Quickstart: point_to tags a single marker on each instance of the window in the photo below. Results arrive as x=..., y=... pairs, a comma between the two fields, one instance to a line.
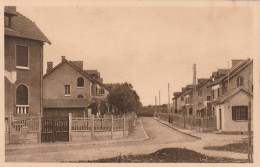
x=67, y=89
x=22, y=56
x=182, y=98
x=190, y=111
x=80, y=82
x=102, y=91
x=218, y=94
x=208, y=98
x=22, y=104
x=8, y=21
x=224, y=89
x=239, y=113
x=80, y=96
x=200, y=93
x=239, y=81
x=213, y=94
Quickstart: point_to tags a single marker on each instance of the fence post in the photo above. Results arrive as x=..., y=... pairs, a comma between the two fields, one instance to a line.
x=202, y=124
x=184, y=122
x=40, y=129
x=70, y=127
x=92, y=127
x=10, y=128
x=124, y=125
x=112, y=126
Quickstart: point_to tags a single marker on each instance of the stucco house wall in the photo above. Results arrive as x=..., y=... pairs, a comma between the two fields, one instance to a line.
x=54, y=84
x=30, y=77
x=240, y=99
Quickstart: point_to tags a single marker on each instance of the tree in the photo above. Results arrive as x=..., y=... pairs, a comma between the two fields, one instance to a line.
x=124, y=98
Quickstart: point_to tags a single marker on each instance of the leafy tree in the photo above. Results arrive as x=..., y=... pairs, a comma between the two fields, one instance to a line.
x=124, y=98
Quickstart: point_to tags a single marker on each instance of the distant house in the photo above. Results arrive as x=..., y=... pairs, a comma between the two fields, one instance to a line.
x=202, y=98
x=23, y=61
x=68, y=88
x=231, y=95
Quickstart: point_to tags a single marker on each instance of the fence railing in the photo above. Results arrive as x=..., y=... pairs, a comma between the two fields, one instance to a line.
x=22, y=124
x=187, y=121
x=102, y=124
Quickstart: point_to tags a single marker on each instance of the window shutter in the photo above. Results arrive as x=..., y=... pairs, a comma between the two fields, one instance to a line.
x=234, y=113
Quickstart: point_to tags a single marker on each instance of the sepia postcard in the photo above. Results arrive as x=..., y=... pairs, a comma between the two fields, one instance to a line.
x=128, y=83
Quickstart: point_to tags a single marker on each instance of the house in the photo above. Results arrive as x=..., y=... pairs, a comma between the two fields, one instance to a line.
x=23, y=64
x=202, y=98
x=232, y=94
x=68, y=88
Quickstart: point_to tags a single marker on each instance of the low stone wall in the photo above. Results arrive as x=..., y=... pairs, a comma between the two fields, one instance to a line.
x=22, y=138
x=98, y=136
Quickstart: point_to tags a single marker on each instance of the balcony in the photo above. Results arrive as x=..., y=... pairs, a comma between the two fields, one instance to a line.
x=22, y=109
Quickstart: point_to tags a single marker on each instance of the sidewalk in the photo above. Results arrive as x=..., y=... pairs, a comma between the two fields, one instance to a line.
x=138, y=134
x=209, y=139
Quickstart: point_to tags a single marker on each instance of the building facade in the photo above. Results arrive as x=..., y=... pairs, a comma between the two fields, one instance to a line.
x=23, y=63
x=68, y=88
x=234, y=98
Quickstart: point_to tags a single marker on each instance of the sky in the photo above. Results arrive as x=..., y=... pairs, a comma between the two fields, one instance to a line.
x=147, y=46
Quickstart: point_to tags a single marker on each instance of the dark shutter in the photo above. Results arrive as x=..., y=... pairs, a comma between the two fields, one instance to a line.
x=234, y=113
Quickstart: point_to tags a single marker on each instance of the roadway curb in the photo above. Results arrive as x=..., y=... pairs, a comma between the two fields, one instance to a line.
x=81, y=144
x=166, y=123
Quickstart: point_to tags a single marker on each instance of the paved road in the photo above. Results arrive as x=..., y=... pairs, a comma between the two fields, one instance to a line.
x=159, y=135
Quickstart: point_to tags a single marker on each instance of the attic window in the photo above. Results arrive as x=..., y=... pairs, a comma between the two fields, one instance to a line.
x=80, y=82
x=102, y=91
x=7, y=21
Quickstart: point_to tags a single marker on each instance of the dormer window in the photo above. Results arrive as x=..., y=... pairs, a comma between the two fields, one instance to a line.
x=7, y=21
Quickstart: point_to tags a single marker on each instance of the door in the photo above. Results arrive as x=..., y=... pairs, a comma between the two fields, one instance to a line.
x=55, y=129
x=220, y=120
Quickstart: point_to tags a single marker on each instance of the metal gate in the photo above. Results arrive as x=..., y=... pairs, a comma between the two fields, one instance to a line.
x=55, y=129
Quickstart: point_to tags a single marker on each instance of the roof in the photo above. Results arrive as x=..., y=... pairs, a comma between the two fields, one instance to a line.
x=91, y=71
x=78, y=69
x=229, y=94
x=23, y=27
x=65, y=103
x=233, y=71
x=222, y=71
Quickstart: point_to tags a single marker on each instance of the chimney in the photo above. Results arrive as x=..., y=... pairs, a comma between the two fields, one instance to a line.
x=235, y=62
x=12, y=8
x=79, y=64
x=183, y=89
x=49, y=66
x=62, y=58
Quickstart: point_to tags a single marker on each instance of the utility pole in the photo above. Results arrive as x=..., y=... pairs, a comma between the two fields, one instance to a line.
x=159, y=98
x=155, y=104
x=228, y=78
x=250, y=148
x=194, y=88
x=169, y=106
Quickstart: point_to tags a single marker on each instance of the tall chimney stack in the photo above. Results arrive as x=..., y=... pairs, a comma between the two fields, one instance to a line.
x=49, y=66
